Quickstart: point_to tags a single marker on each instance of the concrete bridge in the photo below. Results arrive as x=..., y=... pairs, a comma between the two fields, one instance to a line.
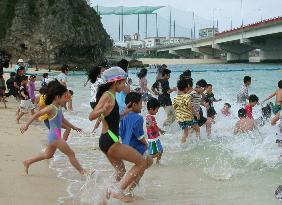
x=236, y=44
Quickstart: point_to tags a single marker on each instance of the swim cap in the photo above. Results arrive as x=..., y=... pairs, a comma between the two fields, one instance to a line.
x=114, y=74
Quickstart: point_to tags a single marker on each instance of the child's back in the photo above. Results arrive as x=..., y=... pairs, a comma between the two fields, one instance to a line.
x=182, y=104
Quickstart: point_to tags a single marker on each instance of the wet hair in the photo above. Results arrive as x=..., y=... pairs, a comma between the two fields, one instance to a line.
x=71, y=92
x=266, y=111
x=182, y=84
x=64, y=68
x=32, y=77
x=45, y=75
x=94, y=73
x=20, y=69
x=164, y=66
x=242, y=113
x=143, y=73
x=202, y=83
x=166, y=72
x=190, y=82
x=12, y=74
x=247, y=79
x=123, y=63
x=43, y=90
x=54, y=89
x=187, y=73
x=133, y=97
x=253, y=98
x=280, y=84
x=209, y=85
x=153, y=103
x=228, y=105
x=25, y=77
x=103, y=88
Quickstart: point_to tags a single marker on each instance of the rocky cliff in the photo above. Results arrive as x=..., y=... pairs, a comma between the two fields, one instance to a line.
x=59, y=31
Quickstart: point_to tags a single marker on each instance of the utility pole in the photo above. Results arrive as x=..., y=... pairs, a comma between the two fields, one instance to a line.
x=138, y=25
x=169, y=30
x=157, y=30
x=119, y=29
x=194, y=32
x=174, y=28
x=122, y=24
x=146, y=25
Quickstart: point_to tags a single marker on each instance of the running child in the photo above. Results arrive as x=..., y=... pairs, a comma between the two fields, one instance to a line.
x=55, y=100
x=243, y=94
x=155, y=148
x=26, y=105
x=31, y=88
x=162, y=90
x=131, y=129
x=185, y=112
x=107, y=108
x=278, y=99
x=253, y=101
x=10, y=85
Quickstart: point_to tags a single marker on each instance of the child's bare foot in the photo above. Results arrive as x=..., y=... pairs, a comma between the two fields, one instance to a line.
x=85, y=172
x=18, y=121
x=122, y=197
x=183, y=140
x=26, y=166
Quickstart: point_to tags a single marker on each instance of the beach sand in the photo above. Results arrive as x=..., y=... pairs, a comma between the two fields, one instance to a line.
x=151, y=61
x=41, y=186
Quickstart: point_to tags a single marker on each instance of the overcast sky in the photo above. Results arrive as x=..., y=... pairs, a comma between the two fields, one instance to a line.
x=224, y=10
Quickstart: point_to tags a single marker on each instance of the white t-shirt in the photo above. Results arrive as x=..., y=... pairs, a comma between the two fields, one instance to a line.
x=94, y=89
x=242, y=96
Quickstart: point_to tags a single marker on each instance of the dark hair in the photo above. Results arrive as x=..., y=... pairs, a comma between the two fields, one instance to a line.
x=25, y=77
x=182, y=84
x=202, y=83
x=166, y=72
x=20, y=69
x=187, y=73
x=242, y=113
x=253, y=98
x=12, y=74
x=32, y=76
x=208, y=85
x=190, y=82
x=45, y=75
x=123, y=63
x=247, y=79
x=133, y=97
x=64, y=68
x=153, y=103
x=164, y=66
x=101, y=89
x=142, y=73
x=71, y=92
x=94, y=73
x=43, y=90
x=280, y=84
x=228, y=105
x=54, y=89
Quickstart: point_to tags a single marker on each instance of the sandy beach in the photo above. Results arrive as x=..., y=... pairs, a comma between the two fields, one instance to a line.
x=179, y=61
x=41, y=186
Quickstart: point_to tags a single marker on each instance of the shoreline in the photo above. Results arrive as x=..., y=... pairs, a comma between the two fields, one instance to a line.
x=41, y=186
x=161, y=61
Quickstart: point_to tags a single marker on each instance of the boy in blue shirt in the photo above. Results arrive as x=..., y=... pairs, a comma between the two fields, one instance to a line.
x=131, y=129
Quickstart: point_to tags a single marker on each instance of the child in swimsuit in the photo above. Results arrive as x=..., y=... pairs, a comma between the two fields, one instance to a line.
x=253, y=101
x=55, y=100
x=278, y=101
x=109, y=142
x=276, y=118
x=153, y=131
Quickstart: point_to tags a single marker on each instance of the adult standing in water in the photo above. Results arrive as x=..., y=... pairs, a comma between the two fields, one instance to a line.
x=108, y=110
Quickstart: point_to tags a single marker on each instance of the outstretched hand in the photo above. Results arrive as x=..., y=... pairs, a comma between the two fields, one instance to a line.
x=77, y=129
x=127, y=109
x=23, y=128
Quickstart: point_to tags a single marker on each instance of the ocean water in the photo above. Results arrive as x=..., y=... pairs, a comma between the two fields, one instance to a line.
x=224, y=169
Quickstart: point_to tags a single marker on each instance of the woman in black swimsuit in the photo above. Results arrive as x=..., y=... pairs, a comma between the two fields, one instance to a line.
x=107, y=109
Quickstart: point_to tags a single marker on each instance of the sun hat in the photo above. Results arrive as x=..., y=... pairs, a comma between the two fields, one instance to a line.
x=114, y=74
x=20, y=61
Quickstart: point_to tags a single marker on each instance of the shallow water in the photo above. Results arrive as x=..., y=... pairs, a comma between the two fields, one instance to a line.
x=224, y=169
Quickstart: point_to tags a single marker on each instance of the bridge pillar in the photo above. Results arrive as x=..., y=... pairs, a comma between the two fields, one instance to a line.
x=271, y=50
x=185, y=53
x=236, y=58
x=207, y=52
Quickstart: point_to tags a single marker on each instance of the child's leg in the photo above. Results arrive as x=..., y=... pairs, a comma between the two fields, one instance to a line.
x=70, y=105
x=185, y=135
x=47, y=154
x=197, y=130
x=64, y=148
x=19, y=117
x=119, y=167
x=124, y=152
x=32, y=111
x=208, y=126
x=159, y=156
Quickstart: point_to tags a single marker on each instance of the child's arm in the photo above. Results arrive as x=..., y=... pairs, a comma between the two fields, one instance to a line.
x=161, y=131
x=275, y=119
x=126, y=110
x=25, y=96
x=143, y=140
x=193, y=111
x=102, y=108
x=86, y=82
x=68, y=124
x=236, y=129
x=47, y=110
x=271, y=96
